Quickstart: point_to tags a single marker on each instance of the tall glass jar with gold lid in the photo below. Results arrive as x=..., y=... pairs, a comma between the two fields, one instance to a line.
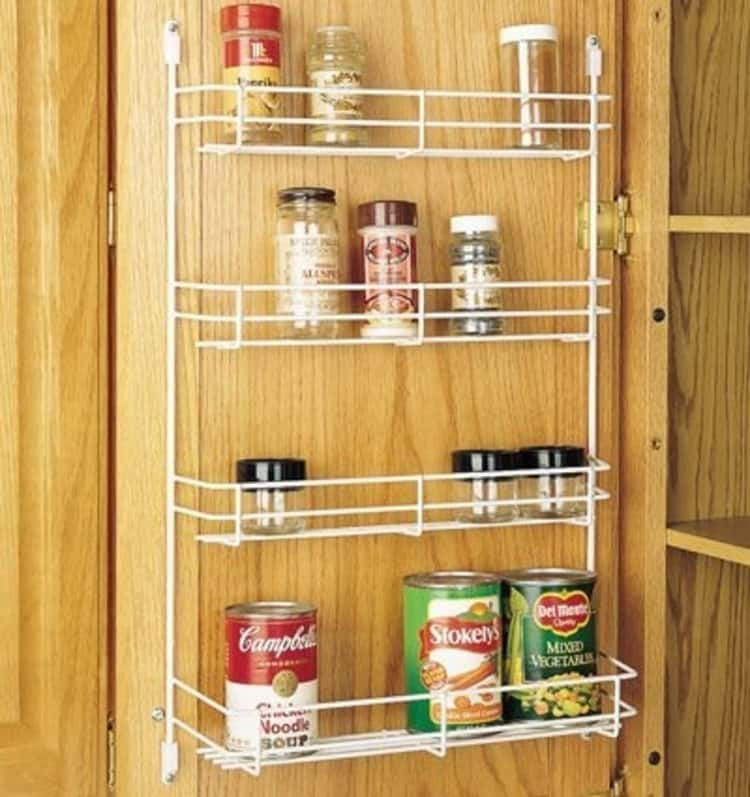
x=336, y=60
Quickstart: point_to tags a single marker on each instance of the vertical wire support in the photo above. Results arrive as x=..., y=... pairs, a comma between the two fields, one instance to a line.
x=170, y=762
x=594, y=71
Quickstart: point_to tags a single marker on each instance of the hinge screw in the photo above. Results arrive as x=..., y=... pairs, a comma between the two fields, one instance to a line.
x=158, y=714
x=654, y=758
x=170, y=777
x=659, y=315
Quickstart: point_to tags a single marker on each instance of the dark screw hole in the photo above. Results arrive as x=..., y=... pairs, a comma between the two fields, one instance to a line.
x=659, y=314
x=654, y=758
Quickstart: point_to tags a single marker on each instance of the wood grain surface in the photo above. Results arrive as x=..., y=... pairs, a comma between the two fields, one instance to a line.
x=710, y=107
x=707, y=675
x=53, y=398
x=709, y=377
x=365, y=411
x=722, y=538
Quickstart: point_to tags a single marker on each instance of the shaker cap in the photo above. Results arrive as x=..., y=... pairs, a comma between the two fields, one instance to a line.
x=250, y=471
x=387, y=213
x=250, y=16
x=526, y=33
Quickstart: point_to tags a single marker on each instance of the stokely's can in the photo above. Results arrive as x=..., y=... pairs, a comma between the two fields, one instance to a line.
x=452, y=642
x=550, y=635
x=272, y=664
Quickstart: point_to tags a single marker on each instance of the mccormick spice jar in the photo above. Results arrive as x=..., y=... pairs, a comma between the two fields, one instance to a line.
x=252, y=56
x=453, y=643
x=272, y=501
x=271, y=665
x=388, y=229
x=550, y=634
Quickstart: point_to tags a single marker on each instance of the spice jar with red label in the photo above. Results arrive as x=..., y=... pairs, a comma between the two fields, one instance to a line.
x=388, y=231
x=252, y=57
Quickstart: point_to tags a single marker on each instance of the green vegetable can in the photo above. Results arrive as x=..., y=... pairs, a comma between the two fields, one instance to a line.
x=453, y=649
x=550, y=633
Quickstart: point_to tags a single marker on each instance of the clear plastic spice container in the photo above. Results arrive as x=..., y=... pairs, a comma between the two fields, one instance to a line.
x=388, y=229
x=271, y=502
x=307, y=255
x=475, y=255
x=480, y=491
x=336, y=60
x=531, y=65
x=252, y=57
x=550, y=489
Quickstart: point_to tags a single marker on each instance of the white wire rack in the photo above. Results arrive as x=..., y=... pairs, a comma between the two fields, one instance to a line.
x=415, y=515
x=393, y=741
x=431, y=327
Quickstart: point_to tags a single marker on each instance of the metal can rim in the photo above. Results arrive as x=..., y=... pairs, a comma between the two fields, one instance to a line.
x=548, y=575
x=462, y=579
x=270, y=610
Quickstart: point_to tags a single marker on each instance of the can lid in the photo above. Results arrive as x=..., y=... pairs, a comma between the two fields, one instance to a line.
x=273, y=609
x=538, y=457
x=387, y=213
x=451, y=579
x=472, y=224
x=548, y=575
x=526, y=33
x=307, y=194
x=249, y=16
x=483, y=461
x=271, y=470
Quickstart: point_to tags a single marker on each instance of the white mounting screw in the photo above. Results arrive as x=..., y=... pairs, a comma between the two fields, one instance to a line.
x=158, y=714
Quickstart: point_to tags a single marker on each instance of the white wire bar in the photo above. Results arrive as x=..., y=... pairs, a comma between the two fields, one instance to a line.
x=398, y=741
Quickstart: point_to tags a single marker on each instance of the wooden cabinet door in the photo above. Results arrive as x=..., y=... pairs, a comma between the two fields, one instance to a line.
x=53, y=398
x=349, y=411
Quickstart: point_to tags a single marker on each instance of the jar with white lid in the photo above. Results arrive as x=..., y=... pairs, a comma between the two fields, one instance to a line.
x=531, y=65
x=475, y=255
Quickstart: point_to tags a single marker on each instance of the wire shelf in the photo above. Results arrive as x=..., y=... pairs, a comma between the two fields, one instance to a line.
x=399, y=741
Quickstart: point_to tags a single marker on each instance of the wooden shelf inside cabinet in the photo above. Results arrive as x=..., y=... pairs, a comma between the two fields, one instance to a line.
x=722, y=538
x=710, y=225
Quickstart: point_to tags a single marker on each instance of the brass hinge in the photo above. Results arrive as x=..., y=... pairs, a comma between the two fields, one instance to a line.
x=111, y=217
x=614, y=224
x=617, y=789
x=111, y=753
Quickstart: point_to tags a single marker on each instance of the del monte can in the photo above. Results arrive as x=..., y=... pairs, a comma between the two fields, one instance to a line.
x=453, y=643
x=550, y=632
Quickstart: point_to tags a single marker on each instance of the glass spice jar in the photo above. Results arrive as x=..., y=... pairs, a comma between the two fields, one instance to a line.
x=549, y=489
x=531, y=65
x=388, y=229
x=475, y=254
x=481, y=491
x=252, y=57
x=270, y=501
x=336, y=59
x=307, y=255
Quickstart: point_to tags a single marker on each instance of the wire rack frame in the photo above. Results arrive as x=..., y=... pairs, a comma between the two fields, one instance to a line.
x=593, y=127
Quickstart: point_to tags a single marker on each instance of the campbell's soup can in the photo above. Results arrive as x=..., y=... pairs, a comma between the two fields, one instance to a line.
x=453, y=649
x=550, y=635
x=272, y=666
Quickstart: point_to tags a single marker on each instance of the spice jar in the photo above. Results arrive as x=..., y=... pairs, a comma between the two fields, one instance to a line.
x=336, y=59
x=477, y=490
x=252, y=57
x=272, y=502
x=307, y=255
x=475, y=259
x=388, y=229
x=551, y=488
x=531, y=65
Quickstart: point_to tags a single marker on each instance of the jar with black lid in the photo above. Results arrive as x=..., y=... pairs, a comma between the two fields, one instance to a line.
x=480, y=491
x=550, y=489
x=307, y=255
x=271, y=501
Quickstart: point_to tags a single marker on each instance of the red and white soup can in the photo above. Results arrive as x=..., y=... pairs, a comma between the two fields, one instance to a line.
x=271, y=665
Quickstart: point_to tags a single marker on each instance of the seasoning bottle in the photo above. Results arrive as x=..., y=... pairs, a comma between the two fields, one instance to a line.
x=336, y=59
x=307, y=255
x=531, y=65
x=268, y=500
x=388, y=229
x=475, y=259
x=476, y=489
x=551, y=488
x=252, y=57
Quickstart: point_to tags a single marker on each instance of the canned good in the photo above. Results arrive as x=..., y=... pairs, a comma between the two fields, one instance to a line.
x=271, y=664
x=550, y=633
x=453, y=643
